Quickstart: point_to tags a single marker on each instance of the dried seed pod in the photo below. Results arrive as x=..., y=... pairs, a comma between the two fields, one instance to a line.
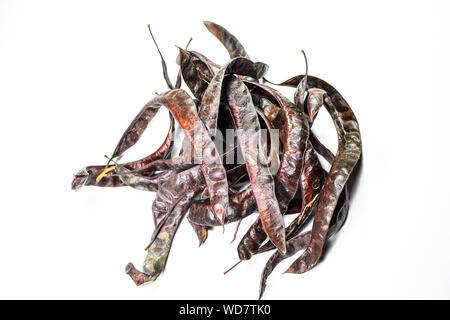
x=184, y=110
x=88, y=175
x=196, y=74
x=218, y=192
x=242, y=203
x=231, y=43
x=140, y=182
x=209, y=108
x=294, y=141
x=271, y=110
x=312, y=180
x=159, y=249
x=301, y=241
x=348, y=154
x=261, y=181
x=171, y=191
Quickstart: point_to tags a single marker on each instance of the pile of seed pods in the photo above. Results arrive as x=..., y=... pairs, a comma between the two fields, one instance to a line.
x=269, y=167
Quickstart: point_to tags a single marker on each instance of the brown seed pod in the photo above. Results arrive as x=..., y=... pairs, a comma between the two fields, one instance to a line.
x=281, y=173
x=261, y=181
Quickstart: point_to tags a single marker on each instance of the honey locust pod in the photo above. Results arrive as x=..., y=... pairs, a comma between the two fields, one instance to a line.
x=216, y=181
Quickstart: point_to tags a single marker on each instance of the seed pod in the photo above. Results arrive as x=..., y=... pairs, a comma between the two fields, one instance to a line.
x=88, y=175
x=294, y=141
x=231, y=43
x=301, y=241
x=348, y=154
x=158, y=251
x=261, y=181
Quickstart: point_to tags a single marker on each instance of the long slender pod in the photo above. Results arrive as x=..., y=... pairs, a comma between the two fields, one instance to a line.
x=301, y=241
x=295, y=137
x=348, y=154
x=158, y=251
x=242, y=203
x=209, y=108
x=140, y=182
x=215, y=181
x=171, y=191
x=184, y=110
x=88, y=176
x=163, y=62
x=231, y=43
x=261, y=180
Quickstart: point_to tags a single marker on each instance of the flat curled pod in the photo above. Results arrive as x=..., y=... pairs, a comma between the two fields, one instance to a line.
x=200, y=231
x=261, y=180
x=311, y=183
x=88, y=175
x=209, y=108
x=231, y=43
x=179, y=163
x=179, y=75
x=212, y=66
x=300, y=241
x=196, y=74
x=242, y=204
x=158, y=251
x=184, y=109
x=196, y=177
x=137, y=127
x=140, y=182
x=296, y=134
x=172, y=190
x=312, y=180
x=348, y=154
x=271, y=110
x=201, y=213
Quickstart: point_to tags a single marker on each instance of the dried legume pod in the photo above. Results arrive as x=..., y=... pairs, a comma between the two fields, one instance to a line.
x=140, y=182
x=218, y=192
x=301, y=241
x=184, y=110
x=261, y=181
x=171, y=191
x=88, y=175
x=231, y=43
x=312, y=180
x=348, y=154
x=158, y=251
x=209, y=108
x=294, y=141
x=241, y=205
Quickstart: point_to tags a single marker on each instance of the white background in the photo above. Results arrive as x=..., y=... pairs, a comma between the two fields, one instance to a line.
x=74, y=73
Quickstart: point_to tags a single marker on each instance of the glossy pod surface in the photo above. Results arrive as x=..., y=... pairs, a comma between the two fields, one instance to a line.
x=259, y=175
